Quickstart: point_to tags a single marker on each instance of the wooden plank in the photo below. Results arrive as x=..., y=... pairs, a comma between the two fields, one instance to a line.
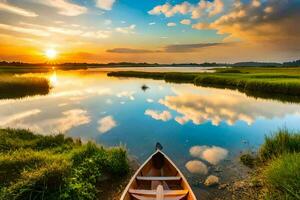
x=158, y=178
x=154, y=192
x=141, y=197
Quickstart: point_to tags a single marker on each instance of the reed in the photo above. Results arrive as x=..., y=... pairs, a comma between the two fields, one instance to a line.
x=17, y=87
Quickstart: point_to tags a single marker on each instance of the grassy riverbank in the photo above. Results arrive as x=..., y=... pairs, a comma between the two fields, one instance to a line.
x=55, y=167
x=261, y=82
x=277, y=165
x=12, y=86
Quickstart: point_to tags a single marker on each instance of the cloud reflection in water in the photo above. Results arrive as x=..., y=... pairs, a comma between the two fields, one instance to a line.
x=215, y=105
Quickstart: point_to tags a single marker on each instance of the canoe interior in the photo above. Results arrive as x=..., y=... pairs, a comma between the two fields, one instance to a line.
x=158, y=170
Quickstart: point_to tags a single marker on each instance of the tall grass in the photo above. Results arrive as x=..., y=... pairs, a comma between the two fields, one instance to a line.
x=282, y=176
x=18, y=87
x=54, y=167
x=282, y=141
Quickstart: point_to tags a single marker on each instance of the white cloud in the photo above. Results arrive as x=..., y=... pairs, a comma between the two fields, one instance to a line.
x=32, y=31
x=152, y=23
x=45, y=31
x=196, y=11
x=71, y=118
x=16, y=10
x=197, y=167
x=212, y=154
x=126, y=30
x=185, y=21
x=127, y=94
x=65, y=7
x=170, y=24
x=164, y=115
x=106, y=124
x=13, y=119
x=105, y=4
x=150, y=100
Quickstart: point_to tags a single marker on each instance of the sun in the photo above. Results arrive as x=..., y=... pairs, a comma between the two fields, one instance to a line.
x=51, y=53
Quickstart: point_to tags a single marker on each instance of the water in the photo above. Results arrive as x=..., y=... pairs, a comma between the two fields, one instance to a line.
x=192, y=123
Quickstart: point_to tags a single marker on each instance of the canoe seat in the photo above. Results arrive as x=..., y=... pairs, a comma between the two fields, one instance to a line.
x=158, y=178
x=152, y=193
x=142, y=197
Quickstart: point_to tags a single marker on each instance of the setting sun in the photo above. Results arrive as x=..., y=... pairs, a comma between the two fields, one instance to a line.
x=51, y=53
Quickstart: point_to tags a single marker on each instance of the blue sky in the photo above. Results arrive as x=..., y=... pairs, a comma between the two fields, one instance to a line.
x=137, y=31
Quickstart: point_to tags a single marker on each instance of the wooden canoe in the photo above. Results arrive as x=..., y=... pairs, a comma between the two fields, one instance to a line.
x=158, y=179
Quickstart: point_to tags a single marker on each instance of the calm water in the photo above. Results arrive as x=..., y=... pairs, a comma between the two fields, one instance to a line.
x=200, y=128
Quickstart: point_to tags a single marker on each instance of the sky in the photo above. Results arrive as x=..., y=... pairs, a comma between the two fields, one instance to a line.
x=154, y=31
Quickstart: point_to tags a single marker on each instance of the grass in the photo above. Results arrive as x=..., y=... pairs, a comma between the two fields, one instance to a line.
x=54, y=167
x=283, y=141
x=17, y=87
x=279, y=83
x=282, y=177
x=278, y=165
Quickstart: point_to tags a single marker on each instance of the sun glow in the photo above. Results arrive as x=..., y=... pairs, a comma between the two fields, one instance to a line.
x=51, y=53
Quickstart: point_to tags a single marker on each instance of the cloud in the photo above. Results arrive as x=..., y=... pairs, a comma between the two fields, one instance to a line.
x=106, y=124
x=189, y=47
x=129, y=50
x=45, y=31
x=270, y=23
x=212, y=154
x=152, y=23
x=196, y=167
x=150, y=100
x=176, y=48
x=16, y=10
x=170, y=24
x=105, y=4
x=195, y=10
x=20, y=29
x=164, y=115
x=186, y=22
x=128, y=94
x=126, y=30
x=217, y=105
x=70, y=119
x=13, y=119
x=64, y=6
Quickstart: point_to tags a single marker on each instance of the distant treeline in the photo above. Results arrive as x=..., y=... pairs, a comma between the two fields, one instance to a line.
x=144, y=64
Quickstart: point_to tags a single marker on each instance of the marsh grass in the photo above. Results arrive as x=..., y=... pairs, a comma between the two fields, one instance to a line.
x=260, y=82
x=12, y=86
x=54, y=167
x=278, y=165
x=280, y=142
x=282, y=177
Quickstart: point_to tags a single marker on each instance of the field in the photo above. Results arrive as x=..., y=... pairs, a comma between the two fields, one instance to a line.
x=55, y=167
x=267, y=82
x=12, y=86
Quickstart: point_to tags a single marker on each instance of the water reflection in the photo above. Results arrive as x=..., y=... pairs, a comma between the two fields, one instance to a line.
x=106, y=124
x=157, y=115
x=212, y=154
x=215, y=105
x=196, y=167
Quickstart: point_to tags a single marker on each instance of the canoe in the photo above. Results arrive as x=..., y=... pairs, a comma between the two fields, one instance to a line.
x=158, y=179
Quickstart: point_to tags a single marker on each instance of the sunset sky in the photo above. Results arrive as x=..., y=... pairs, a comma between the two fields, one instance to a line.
x=163, y=31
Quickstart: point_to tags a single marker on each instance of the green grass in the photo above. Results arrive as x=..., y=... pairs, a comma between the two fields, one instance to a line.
x=278, y=165
x=283, y=141
x=54, y=167
x=282, y=177
x=275, y=83
x=17, y=87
